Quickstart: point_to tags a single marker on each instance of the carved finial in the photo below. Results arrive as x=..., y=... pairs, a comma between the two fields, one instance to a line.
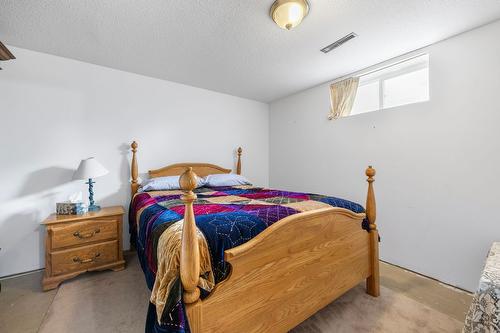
x=188, y=181
x=134, y=172
x=370, y=199
x=370, y=172
x=238, y=164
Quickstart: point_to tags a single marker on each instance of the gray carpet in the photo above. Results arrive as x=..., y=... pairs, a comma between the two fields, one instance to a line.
x=100, y=302
x=117, y=302
x=356, y=311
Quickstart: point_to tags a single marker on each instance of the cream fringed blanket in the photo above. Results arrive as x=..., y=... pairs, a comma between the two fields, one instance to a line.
x=169, y=253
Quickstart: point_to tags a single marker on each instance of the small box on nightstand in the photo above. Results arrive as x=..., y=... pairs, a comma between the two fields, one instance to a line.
x=70, y=208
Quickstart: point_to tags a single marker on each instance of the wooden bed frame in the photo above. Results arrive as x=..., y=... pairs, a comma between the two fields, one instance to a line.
x=286, y=273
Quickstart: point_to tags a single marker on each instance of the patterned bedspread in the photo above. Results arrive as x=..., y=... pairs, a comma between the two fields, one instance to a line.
x=226, y=216
x=484, y=311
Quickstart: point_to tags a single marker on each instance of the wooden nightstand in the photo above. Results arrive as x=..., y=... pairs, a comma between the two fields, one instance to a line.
x=75, y=244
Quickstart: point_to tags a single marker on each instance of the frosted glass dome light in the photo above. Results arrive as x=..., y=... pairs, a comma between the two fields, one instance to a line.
x=289, y=13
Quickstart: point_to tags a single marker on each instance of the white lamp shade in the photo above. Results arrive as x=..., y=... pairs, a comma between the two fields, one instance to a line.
x=89, y=168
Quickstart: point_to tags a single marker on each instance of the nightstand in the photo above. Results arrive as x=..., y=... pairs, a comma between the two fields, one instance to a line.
x=75, y=244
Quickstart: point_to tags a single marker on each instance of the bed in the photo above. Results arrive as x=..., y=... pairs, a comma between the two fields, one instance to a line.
x=274, y=278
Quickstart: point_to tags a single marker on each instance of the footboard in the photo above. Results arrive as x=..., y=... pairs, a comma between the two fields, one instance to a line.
x=285, y=274
x=289, y=272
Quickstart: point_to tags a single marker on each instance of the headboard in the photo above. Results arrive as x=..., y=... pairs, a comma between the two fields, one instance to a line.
x=201, y=169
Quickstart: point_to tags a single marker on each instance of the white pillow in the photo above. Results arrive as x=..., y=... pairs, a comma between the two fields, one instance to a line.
x=225, y=179
x=165, y=184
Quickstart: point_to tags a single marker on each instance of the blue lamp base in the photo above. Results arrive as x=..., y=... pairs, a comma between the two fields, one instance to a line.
x=92, y=206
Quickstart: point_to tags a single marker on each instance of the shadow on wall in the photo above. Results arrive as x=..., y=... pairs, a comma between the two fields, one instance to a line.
x=18, y=230
x=22, y=236
x=122, y=195
x=45, y=179
x=125, y=170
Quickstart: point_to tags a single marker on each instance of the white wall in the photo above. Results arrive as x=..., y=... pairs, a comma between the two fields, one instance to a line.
x=438, y=162
x=55, y=111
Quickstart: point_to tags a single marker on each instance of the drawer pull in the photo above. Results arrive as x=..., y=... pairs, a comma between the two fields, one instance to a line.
x=87, y=235
x=86, y=261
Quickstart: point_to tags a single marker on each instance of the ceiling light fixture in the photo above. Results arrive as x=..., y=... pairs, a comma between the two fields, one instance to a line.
x=289, y=13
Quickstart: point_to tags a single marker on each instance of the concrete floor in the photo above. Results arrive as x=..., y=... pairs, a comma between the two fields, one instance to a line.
x=443, y=298
x=23, y=304
x=117, y=302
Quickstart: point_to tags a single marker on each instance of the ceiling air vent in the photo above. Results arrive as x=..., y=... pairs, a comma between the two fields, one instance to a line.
x=339, y=42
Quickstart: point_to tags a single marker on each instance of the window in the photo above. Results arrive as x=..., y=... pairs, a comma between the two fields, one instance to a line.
x=405, y=82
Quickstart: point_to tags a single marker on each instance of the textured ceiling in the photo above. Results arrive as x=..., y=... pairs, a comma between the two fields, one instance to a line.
x=232, y=46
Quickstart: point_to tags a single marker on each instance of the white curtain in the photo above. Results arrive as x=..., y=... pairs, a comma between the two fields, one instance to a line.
x=342, y=95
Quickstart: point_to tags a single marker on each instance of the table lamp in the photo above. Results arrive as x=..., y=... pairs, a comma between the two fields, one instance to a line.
x=89, y=169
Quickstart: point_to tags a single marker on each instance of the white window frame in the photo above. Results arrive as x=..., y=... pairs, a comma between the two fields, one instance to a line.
x=382, y=78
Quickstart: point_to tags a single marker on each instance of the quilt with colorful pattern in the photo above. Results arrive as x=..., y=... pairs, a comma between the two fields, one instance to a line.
x=227, y=217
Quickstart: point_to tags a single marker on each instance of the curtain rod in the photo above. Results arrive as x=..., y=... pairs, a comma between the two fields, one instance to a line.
x=366, y=70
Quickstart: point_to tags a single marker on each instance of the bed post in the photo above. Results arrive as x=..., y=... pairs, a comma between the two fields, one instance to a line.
x=238, y=165
x=134, y=183
x=372, y=282
x=190, y=255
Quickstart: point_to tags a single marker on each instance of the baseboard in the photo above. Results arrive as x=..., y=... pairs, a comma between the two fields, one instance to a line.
x=6, y=277
x=428, y=277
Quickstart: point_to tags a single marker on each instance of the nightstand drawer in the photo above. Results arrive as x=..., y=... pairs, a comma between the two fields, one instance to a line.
x=84, y=257
x=78, y=233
